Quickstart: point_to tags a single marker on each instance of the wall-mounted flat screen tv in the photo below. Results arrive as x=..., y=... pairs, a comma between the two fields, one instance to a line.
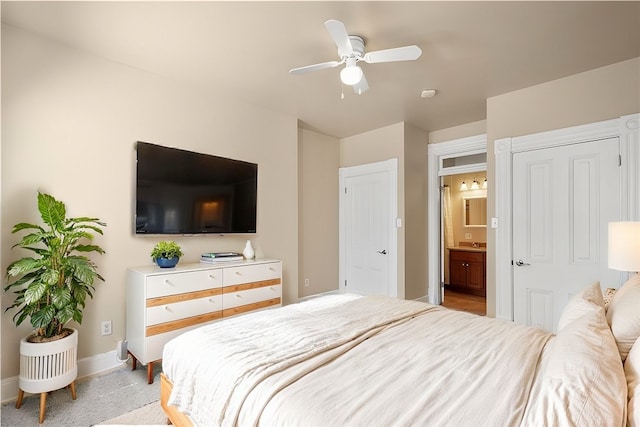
x=182, y=192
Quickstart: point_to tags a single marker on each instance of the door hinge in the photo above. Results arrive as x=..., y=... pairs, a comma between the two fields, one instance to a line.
x=619, y=159
x=345, y=190
x=345, y=283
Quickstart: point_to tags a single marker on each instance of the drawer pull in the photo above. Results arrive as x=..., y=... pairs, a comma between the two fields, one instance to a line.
x=238, y=273
x=211, y=276
x=212, y=300
x=272, y=269
x=166, y=307
x=168, y=282
x=238, y=296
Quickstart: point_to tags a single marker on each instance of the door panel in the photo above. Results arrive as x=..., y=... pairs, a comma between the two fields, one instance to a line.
x=563, y=198
x=366, y=231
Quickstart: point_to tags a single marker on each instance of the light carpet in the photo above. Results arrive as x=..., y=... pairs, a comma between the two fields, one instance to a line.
x=149, y=415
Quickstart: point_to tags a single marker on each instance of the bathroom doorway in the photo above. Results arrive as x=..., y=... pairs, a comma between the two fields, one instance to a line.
x=449, y=163
x=464, y=241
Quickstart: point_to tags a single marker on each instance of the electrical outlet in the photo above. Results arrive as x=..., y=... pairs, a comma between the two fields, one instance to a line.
x=468, y=236
x=306, y=283
x=106, y=327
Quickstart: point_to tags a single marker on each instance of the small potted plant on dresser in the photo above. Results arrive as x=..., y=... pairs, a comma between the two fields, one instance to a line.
x=166, y=254
x=51, y=289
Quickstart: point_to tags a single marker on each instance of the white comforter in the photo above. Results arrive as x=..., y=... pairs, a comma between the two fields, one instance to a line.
x=346, y=360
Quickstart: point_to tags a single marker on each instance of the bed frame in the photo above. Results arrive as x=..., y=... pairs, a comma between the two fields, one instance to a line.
x=176, y=417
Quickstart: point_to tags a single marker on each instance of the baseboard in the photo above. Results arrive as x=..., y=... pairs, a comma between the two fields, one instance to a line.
x=88, y=366
x=423, y=299
x=308, y=297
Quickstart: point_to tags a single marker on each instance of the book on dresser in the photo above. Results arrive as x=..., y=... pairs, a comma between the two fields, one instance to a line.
x=164, y=303
x=220, y=257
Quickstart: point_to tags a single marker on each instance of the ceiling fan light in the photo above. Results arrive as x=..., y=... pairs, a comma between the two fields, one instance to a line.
x=351, y=75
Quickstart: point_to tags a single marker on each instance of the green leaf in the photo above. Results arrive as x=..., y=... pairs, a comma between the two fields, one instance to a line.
x=60, y=298
x=23, y=266
x=42, y=318
x=24, y=226
x=53, y=212
x=66, y=313
x=50, y=277
x=35, y=292
x=88, y=248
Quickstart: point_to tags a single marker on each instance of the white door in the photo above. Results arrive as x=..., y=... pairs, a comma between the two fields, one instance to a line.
x=367, y=205
x=563, y=198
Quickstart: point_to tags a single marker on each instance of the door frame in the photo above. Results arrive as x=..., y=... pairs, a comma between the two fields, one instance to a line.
x=436, y=155
x=395, y=288
x=626, y=128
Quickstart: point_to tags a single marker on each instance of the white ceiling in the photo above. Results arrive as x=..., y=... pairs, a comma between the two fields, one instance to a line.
x=471, y=50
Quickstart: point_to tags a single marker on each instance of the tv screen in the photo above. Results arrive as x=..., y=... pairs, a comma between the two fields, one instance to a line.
x=182, y=192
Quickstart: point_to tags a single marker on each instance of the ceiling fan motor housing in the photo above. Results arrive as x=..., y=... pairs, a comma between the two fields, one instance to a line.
x=357, y=43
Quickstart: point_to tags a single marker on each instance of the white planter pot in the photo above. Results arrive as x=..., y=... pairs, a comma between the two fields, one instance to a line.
x=48, y=366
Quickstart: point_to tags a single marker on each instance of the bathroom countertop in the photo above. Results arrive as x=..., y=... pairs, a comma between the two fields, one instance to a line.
x=468, y=249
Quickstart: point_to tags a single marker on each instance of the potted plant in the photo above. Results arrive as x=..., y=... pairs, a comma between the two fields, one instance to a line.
x=51, y=289
x=166, y=254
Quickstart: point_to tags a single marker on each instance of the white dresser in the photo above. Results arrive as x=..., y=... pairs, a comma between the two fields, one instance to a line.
x=162, y=303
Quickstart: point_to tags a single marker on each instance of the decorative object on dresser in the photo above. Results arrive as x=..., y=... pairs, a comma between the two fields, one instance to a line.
x=248, y=252
x=166, y=254
x=51, y=290
x=467, y=268
x=162, y=304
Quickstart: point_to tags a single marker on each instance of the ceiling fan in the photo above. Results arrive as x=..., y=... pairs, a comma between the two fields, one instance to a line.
x=351, y=51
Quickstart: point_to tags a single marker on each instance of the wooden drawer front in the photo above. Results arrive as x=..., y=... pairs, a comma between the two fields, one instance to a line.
x=183, y=282
x=251, y=296
x=180, y=310
x=466, y=256
x=252, y=273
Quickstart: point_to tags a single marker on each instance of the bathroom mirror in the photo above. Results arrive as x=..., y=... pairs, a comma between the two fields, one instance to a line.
x=474, y=211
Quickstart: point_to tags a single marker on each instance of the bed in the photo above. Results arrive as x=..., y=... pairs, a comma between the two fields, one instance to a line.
x=348, y=360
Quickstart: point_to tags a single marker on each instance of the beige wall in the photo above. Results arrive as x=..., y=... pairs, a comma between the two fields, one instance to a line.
x=458, y=132
x=604, y=93
x=319, y=158
x=69, y=124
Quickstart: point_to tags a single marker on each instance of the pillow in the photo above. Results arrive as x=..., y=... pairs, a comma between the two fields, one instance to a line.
x=623, y=315
x=632, y=372
x=580, y=380
x=587, y=300
x=607, y=296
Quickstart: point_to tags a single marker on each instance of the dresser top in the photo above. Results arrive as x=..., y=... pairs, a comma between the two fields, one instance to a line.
x=195, y=266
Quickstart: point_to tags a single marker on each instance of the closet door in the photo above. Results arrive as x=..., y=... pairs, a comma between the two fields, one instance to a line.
x=563, y=199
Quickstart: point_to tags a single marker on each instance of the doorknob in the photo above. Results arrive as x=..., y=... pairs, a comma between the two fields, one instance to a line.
x=383, y=252
x=520, y=263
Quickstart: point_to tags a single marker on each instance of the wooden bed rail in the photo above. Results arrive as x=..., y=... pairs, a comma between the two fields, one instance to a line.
x=176, y=417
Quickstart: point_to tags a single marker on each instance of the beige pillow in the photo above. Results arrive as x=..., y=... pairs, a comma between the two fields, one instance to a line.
x=607, y=296
x=632, y=372
x=585, y=301
x=580, y=380
x=623, y=315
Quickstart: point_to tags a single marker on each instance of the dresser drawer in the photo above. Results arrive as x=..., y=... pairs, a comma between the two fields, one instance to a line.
x=251, y=273
x=183, y=282
x=180, y=310
x=251, y=296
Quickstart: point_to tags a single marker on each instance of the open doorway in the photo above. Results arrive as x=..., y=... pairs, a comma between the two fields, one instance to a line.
x=464, y=241
x=466, y=158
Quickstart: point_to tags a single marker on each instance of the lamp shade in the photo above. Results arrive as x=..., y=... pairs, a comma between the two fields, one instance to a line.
x=624, y=245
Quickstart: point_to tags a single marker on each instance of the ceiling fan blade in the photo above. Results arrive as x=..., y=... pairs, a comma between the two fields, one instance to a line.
x=406, y=53
x=314, y=67
x=339, y=34
x=362, y=86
